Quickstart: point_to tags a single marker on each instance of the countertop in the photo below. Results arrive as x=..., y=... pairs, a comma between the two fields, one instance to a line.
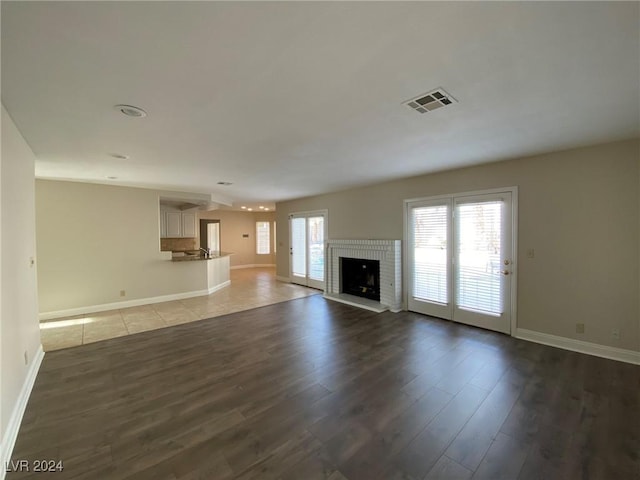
x=199, y=257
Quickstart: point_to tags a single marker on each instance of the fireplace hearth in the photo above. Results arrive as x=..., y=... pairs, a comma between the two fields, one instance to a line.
x=360, y=277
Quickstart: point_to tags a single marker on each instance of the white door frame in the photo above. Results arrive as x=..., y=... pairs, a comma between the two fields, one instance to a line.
x=310, y=213
x=514, y=243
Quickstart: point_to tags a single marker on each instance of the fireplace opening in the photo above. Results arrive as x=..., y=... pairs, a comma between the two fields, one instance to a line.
x=360, y=277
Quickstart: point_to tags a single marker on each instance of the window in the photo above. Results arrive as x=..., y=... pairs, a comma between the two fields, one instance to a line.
x=263, y=240
x=275, y=237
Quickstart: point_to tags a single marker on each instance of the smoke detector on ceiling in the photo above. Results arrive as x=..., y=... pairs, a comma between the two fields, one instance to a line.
x=433, y=100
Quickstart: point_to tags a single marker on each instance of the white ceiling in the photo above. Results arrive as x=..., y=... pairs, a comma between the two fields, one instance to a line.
x=293, y=99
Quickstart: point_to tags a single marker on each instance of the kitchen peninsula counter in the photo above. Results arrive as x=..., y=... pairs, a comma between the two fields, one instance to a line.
x=195, y=258
x=210, y=274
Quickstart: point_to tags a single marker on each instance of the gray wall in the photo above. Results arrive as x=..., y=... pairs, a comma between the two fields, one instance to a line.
x=579, y=210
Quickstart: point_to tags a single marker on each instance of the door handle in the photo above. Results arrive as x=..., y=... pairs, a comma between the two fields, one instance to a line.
x=505, y=272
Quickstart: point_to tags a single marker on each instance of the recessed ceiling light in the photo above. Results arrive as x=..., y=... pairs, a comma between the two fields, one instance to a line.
x=243, y=207
x=119, y=156
x=261, y=207
x=250, y=209
x=112, y=178
x=266, y=209
x=226, y=184
x=131, y=111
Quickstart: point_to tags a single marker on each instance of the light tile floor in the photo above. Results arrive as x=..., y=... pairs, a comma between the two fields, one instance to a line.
x=250, y=288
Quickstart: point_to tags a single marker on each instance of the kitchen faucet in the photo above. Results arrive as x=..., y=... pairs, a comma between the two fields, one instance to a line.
x=206, y=252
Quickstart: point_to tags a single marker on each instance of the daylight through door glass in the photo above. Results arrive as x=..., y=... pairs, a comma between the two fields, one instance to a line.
x=316, y=248
x=298, y=247
x=430, y=280
x=478, y=256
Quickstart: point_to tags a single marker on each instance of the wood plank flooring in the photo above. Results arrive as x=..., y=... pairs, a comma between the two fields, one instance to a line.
x=312, y=389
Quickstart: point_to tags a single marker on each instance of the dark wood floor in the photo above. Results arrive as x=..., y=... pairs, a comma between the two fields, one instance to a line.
x=311, y=389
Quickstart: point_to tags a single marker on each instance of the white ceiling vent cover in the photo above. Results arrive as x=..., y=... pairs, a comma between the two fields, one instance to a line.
x=433, y=100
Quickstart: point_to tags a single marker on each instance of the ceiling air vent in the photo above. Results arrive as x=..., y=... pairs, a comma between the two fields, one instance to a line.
x=433, y=100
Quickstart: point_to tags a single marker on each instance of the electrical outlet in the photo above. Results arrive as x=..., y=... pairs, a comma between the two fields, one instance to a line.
x=579, y=327
x=615, y=334
x=123, y=293
x=26, y=357
x=531, y=253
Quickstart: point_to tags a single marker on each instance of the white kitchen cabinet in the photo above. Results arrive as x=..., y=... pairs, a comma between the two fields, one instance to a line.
x=163, y=224
x=174, y=224
x=189, y=225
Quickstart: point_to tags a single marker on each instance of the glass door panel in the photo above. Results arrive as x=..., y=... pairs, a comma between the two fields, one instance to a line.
x=315, y=235
x=298, y=249
x=483, y=266
x=429, y=232
x=459, y=251
x=308, y=233
x=478, y=254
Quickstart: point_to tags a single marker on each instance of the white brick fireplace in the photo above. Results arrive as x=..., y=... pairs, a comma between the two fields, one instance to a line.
x=387, y=252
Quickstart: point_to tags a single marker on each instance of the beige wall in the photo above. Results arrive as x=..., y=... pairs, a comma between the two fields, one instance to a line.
x=19, y=331
x=233, y=225
x=578, y=209
x=95, y=240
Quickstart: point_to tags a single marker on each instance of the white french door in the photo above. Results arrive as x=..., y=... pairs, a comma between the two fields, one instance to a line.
x=307, y=248
x=460, y=258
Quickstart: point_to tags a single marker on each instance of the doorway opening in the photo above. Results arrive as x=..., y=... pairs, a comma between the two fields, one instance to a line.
x=210, y=235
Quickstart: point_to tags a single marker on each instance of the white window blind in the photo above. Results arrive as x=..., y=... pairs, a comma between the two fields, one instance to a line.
x=478, y=255
x=263, y=240
x=430, y=232
x=298, y=247
x=315, y=240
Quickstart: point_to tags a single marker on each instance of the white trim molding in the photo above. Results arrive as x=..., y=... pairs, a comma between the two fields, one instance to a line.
x=129, y=303
x=283, y=279
x=604, y=351
x=13, y=426
x=220, y=286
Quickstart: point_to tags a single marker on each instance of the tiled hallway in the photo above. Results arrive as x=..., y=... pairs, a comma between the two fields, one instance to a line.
x=250, y=288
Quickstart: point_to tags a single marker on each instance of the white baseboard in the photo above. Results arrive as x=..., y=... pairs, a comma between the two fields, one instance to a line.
x=604, y=351
x=253, y=265
x=129, y=303
x=283, y=279
x=11, y=434
x=219, y=287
